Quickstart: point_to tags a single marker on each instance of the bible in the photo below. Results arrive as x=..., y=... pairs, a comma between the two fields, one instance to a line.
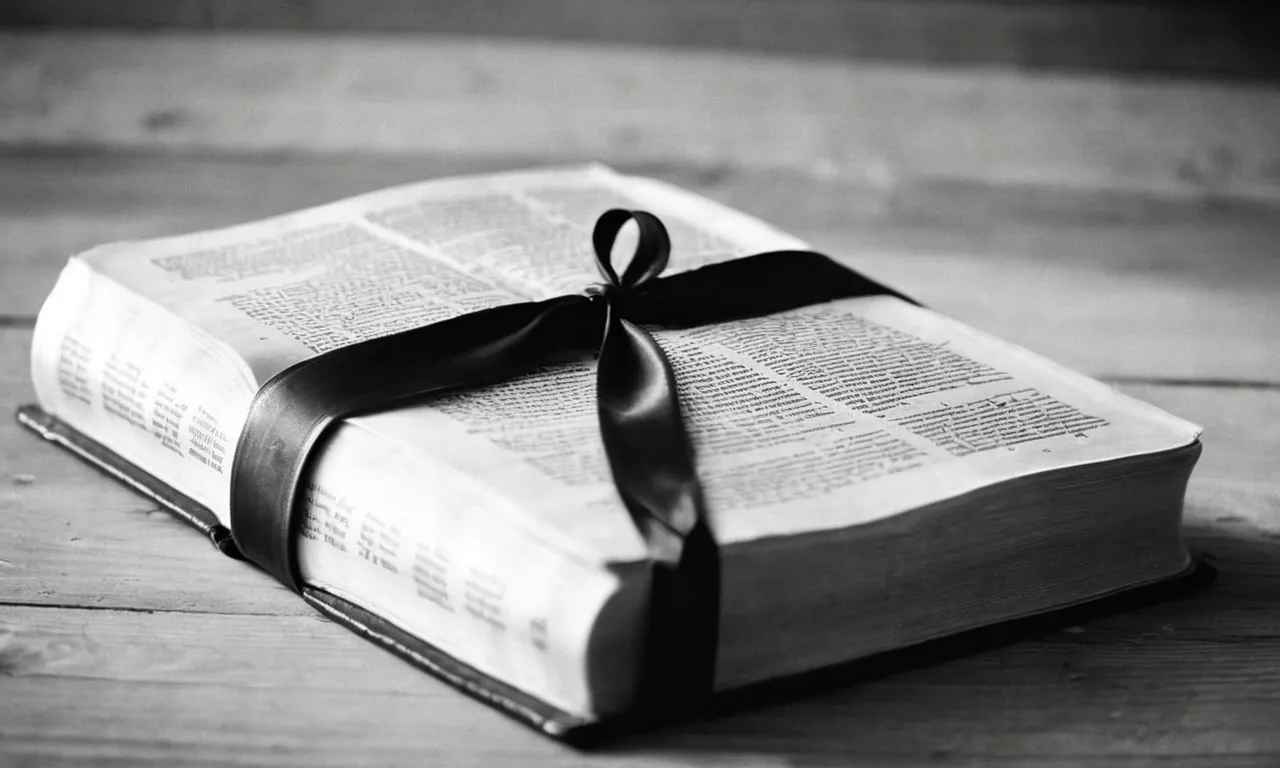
x=877, y=477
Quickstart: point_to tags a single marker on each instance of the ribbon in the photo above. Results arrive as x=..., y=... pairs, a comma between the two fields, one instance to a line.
x=648, y=448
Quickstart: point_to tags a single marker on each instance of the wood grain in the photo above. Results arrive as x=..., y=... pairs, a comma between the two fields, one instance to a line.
x=573, y=101
x=1184, y=679
x=1110, y=283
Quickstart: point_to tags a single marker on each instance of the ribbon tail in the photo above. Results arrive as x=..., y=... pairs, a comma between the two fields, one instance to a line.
x=292, y=412
x=652, y=462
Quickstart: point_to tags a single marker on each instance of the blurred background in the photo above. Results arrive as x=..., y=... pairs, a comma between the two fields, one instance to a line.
x=1048, y=91
x=1016, y=146
x=1218, y=39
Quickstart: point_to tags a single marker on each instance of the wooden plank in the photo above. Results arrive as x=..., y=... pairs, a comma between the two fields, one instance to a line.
x=1109, y=283
x=70, y=535
x=303, y=653
x=573, y=101
x=1205, y=38
x=1242, y=432
x=1182, y=679
x=193, y=647
x=1192, y=677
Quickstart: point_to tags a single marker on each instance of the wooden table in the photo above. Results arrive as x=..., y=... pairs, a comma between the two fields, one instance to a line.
x=1126, y=228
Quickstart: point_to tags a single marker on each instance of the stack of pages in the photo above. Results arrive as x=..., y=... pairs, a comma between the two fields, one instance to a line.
x=877, y=475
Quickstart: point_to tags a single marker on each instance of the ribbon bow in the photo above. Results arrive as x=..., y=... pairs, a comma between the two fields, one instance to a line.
x=648, y=448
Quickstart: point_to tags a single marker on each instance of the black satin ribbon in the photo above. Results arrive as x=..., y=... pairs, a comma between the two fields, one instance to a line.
x=648, y=448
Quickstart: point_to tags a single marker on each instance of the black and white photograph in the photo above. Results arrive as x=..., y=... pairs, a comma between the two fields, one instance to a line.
x=639, y=383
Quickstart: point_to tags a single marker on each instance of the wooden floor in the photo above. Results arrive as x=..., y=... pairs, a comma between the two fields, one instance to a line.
x=1129, y=229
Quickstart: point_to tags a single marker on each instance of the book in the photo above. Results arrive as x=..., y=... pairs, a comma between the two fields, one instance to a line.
x=877, y=476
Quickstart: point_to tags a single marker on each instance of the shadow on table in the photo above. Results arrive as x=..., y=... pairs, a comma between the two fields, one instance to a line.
x=1185, y=675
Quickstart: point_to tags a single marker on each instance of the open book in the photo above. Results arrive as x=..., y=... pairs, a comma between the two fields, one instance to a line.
x=877, y=475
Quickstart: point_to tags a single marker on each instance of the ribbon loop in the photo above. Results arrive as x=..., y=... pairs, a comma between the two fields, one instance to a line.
x=653, y=247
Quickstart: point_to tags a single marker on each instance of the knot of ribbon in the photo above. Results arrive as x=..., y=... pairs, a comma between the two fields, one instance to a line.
x=649, y=451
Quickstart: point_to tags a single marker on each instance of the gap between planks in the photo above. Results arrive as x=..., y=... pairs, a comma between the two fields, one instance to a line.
x=1208, y=383
x=304, y=689
x=118, y=608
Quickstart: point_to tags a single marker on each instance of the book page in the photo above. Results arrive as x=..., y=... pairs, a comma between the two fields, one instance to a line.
x=532, y=233
x=903, y=407
x=819, y=418
x=281, y=290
